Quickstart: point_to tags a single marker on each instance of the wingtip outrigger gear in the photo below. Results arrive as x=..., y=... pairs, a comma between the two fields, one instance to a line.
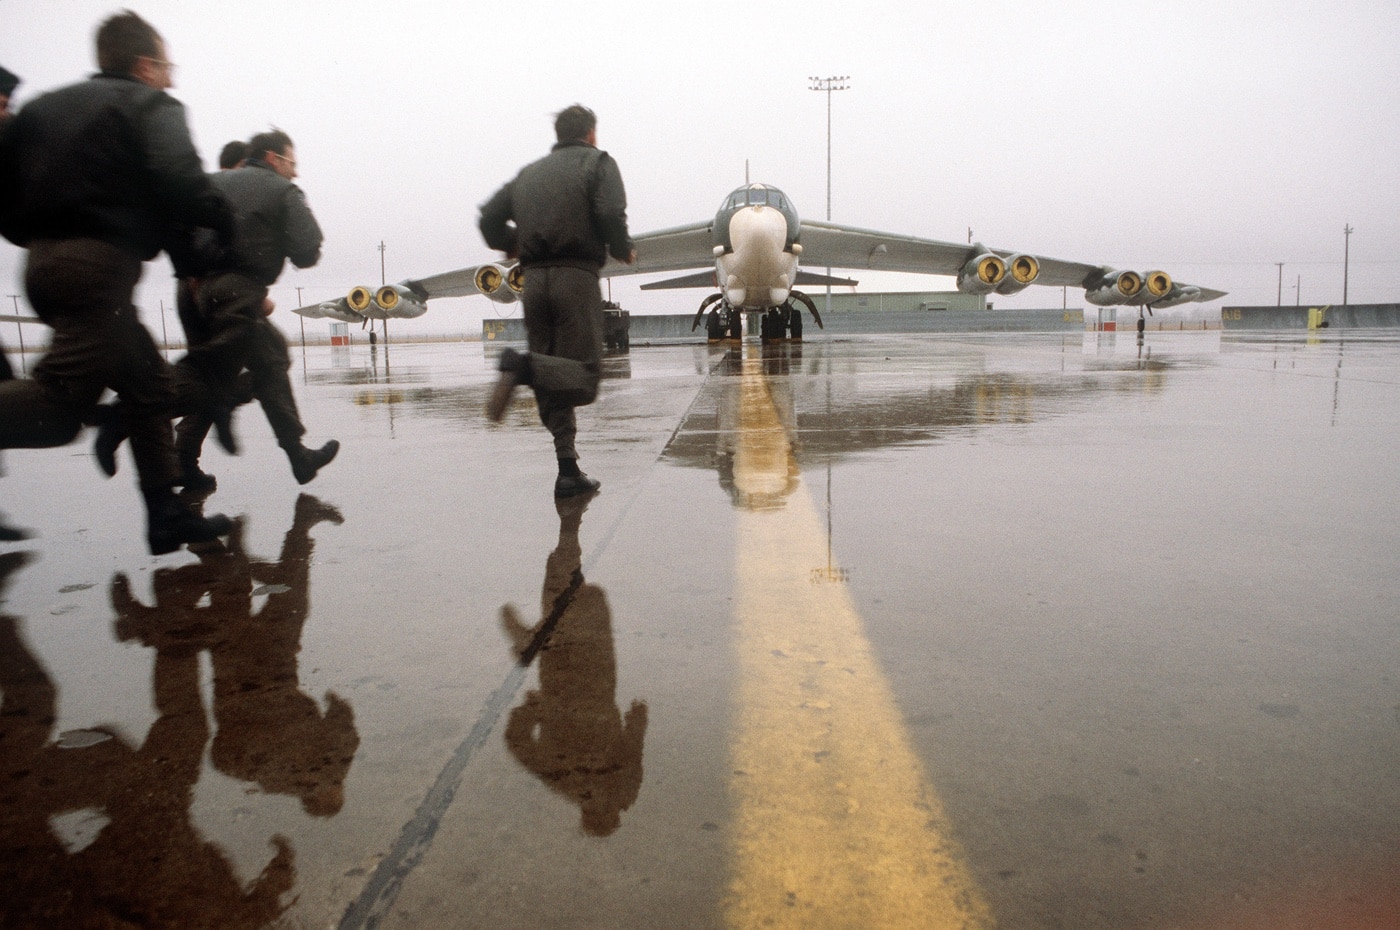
x=807, y=301
x=704, y=305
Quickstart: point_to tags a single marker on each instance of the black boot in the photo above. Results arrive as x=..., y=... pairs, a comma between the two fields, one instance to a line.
x=222, y=418
x=111, y=433
x=307, y=462
x=192, y=479
x=170, y=523
x=572, y=482
x=12, y=533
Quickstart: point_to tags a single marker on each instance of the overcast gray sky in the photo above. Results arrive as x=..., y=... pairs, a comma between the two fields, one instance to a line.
x=1210, y=138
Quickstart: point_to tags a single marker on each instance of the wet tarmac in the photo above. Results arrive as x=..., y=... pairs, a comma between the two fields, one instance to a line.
x=1025, y=631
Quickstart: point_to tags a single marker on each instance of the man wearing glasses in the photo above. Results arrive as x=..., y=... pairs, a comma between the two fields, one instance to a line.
x=274, y=224
x=94, y=179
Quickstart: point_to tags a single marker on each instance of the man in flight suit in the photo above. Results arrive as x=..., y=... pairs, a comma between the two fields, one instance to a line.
x=561, y=216
x=93, y=179
x=274, y=224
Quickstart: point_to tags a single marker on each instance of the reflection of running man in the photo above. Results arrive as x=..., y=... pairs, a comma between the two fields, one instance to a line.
x=270, y=732
x=148, y=865
x=570, y=733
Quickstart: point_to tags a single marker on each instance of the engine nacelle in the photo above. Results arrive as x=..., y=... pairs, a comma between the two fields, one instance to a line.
x=491, y=280
x=329, y=310
x=359, y=299
x=1114, y=288
x=1021, y=272
x=399, y=302
x=515, y=279
x=1156, y=285
x=1179, y=294
x=983, y=272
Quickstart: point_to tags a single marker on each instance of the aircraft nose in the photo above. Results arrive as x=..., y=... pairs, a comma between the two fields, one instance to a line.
x=758, y=226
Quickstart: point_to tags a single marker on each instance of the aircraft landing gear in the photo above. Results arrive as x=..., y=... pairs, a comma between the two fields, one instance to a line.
x=785, y=322
x=723, y=322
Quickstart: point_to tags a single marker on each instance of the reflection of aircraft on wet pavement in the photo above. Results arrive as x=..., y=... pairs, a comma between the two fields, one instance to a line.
x=751, y=251
x=787, y=387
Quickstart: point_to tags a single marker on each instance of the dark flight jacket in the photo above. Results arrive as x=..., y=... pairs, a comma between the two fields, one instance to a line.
x=274, y=223
x=568, y=208
x=108, y=158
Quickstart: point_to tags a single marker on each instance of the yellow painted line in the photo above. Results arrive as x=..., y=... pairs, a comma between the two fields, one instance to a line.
x=836, y=824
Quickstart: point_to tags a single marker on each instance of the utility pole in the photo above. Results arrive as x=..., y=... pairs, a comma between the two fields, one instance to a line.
x=164, y=336
x=828, y=85
x=19, y=327
x=303, y=329
x=1346, y=262
x=382, y=281
x=1280, y=283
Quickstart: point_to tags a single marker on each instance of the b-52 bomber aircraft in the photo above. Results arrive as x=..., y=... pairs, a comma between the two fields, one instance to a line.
x=751, y=252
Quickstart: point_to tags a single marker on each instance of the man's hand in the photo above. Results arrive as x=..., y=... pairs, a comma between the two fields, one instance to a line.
x=632, y=257
x=268, y=306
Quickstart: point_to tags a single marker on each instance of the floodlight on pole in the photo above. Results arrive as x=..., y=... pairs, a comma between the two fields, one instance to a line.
x=829, y=85
x=1346, y=262
x=20, y=327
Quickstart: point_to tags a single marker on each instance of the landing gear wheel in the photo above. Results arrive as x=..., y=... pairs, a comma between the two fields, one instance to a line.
x=770, y=326
x=736, y=324
x=713, y=330
x=795, y=323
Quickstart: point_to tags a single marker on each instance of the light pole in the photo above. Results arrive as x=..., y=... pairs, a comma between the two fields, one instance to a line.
x=382, y=281
x=1280, y=283
x=828, y=85
x=1346, y=262
x=19, y=327
x=303, y=328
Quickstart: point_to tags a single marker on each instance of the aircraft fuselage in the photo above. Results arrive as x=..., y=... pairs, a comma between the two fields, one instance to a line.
x=756, y=247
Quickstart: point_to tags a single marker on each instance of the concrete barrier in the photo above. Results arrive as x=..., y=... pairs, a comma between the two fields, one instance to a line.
x=1351, y=316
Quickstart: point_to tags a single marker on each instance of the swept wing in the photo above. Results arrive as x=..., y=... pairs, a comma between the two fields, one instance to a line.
x=833, y=245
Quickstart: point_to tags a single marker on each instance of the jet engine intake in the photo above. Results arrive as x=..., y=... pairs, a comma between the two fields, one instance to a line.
x=491, y=281
x=359, y=298
x=399, y=302
x=983, y=272
x=515, y=279
x=1158, y=284
x=1021, y=272
x=1114, y=288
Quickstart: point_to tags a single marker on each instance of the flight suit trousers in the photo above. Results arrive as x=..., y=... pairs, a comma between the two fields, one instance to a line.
x=233, y=334
x=82, y=288
x=564, y=327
